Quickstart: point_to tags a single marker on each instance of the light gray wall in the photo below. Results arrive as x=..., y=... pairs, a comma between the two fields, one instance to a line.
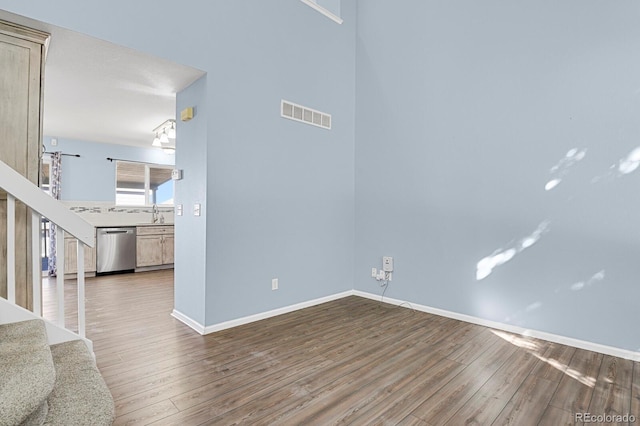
x=280, y=192
x=191, y=231
x=91, y=177
x=463, y=110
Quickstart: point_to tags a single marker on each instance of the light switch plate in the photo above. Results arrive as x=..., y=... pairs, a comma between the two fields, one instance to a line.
x=179, y=210
x=196, y=209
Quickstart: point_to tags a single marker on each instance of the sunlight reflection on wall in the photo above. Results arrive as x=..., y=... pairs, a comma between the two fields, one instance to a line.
x=561, y=169
x=594, y=279
x=485, y=267
x=625, y=165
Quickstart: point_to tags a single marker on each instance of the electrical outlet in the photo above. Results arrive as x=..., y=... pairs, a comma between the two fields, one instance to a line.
x=374, y=272
x=387, y=264
x=274, y=284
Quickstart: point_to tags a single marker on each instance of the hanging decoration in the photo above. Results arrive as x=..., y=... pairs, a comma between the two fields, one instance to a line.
x=56, y=174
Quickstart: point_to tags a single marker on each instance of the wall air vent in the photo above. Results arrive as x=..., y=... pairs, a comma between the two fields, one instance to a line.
x=305, y=115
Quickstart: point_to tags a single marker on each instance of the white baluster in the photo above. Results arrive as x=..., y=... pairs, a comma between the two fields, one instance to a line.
x=11, y=248
x=36, y=264
x=81, y=318
x=60, y=273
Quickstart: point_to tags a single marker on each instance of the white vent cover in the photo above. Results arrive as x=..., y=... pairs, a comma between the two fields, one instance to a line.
x=305, y=115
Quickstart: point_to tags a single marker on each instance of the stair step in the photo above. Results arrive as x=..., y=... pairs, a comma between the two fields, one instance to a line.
x=80, y=395
x=27, y=376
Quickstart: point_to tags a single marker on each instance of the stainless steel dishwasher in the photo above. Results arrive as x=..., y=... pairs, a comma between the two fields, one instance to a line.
x=115, y=249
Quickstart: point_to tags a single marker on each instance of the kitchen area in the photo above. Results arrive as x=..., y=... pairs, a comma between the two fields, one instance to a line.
x=130, y=205
x=128, y=239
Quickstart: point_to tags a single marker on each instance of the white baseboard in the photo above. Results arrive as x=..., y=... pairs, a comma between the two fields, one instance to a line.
x=569, y=341
x=188, y=321
x=555, y=338
x=256, y=317
x=275, y=312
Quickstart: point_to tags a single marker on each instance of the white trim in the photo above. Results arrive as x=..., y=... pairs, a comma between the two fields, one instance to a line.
x=188, y=321
x=256, y=317
x=36, y=264
x=82, y=329
x=24, y=190
x=60, y=254
x=11, y=248
x=275, y=312
x=324, y=11
x=569, y=341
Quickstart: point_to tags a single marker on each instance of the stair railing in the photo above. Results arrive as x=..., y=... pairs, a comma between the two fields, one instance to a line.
x=41, y=205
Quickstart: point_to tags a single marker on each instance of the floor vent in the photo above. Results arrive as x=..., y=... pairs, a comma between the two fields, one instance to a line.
x=305, y=115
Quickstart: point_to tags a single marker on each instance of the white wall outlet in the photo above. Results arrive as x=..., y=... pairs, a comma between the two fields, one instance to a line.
x=54, y=142
x=387, y=264
x=274, y=284
x=374, y=272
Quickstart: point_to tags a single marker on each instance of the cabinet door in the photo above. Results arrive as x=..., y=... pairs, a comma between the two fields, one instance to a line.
x=20, y=74
x=167, y=250
x=71, y=257
x=90, y=259
x=148, y=250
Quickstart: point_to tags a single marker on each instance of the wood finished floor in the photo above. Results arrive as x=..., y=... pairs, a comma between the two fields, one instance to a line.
x=352, y=361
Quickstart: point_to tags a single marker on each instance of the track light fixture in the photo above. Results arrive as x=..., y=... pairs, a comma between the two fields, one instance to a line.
x=164, y=134
x=156, y=141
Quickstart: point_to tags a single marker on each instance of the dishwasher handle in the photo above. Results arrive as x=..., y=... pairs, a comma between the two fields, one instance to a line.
x=115, y=231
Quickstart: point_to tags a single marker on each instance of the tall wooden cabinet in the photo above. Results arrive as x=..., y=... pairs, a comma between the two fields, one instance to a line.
x=21, y=73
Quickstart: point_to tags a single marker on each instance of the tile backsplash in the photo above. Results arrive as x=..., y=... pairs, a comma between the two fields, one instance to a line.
x=107, y=214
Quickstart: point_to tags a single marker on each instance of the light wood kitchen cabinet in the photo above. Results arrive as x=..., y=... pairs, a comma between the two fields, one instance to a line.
x=154, y=246
x=167, y=249
x=71, y=257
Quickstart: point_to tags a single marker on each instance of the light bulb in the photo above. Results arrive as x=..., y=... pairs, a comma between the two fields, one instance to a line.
x=156, y=141
x=163, y=137
x=172, y=131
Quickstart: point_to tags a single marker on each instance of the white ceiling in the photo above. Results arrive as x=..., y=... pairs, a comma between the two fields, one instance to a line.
x=99, y=92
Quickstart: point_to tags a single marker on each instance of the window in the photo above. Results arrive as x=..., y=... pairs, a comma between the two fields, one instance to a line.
x=140, y=184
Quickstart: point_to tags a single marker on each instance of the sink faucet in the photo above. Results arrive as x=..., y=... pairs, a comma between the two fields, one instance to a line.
x=154, y=213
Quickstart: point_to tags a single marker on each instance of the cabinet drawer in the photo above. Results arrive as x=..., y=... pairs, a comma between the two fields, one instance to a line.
x=155, y=230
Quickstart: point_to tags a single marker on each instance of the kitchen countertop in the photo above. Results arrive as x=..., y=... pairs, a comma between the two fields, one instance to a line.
x=118, y=223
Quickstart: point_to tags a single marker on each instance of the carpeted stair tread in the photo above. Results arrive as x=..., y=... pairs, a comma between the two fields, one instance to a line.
x=37, y=417
x=27, y=374
x=80, y=395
